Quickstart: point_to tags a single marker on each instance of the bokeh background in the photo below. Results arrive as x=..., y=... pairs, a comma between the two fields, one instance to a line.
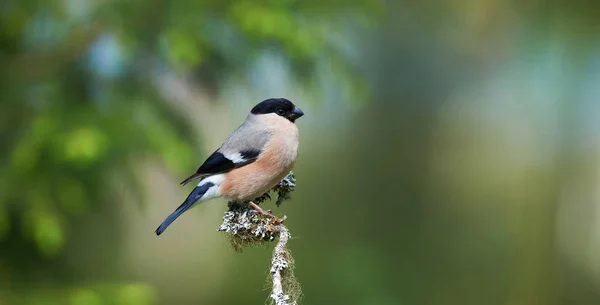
x=449, y=152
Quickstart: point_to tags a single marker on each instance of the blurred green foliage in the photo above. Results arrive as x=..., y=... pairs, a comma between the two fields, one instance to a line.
x=124, y=294
x=70, y=116
x=80, y=109
x=469, y=178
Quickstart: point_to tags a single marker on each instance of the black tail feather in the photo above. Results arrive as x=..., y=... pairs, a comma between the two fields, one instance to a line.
x=194, y=196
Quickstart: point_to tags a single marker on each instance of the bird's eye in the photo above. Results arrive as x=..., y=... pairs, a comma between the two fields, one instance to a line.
x=280, y=111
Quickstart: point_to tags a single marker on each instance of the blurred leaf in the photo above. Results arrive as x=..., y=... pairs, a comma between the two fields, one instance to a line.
x=83, y=296
x=44, y=226
x=49, y=233
x=84, y=145
x=136, y=294
x=183, y=49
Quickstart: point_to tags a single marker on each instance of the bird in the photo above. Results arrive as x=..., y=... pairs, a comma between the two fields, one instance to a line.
x=251, y=160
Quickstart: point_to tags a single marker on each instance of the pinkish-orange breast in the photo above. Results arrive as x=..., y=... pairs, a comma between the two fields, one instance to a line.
x=253, y=180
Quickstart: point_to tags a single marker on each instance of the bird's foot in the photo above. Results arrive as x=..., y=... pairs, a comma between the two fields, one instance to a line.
x=257, y=209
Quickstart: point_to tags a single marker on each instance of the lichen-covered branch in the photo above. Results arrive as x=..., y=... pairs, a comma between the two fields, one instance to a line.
x=280, y=264
x=248, y=228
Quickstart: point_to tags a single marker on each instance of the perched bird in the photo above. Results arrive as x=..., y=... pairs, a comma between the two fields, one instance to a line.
x=251, y=161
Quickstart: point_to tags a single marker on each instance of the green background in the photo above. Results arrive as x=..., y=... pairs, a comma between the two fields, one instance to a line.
x=449, y=151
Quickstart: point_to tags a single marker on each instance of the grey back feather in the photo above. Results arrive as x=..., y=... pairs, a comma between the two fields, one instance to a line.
x=246, y=137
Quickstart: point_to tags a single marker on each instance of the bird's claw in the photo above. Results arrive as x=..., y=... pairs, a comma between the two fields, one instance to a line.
x=258, y=210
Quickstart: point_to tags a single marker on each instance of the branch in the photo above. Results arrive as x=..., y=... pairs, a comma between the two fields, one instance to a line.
x=248, y=228
x=279, y=263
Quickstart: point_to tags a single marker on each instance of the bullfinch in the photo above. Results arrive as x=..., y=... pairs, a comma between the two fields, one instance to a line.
x=251, y=161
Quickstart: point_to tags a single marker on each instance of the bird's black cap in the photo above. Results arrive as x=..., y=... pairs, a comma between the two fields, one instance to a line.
x=280, y=106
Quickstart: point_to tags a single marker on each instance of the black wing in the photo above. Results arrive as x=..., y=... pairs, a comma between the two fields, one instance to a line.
x=218, y=163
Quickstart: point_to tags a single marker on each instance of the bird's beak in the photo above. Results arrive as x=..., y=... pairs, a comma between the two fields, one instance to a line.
x=296, y=113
